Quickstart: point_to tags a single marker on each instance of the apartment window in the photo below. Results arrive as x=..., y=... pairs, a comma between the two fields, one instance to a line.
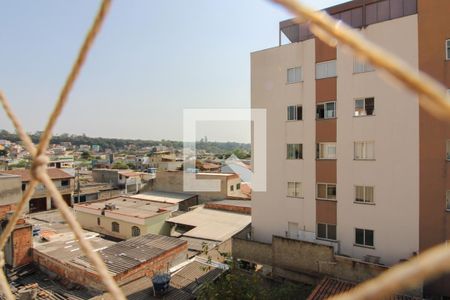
x=447, y=49
x=326, y=231
x=364, y=107
x=238, y=186
x=294, y=151
x=326, y=69
x=65, y=182
x=294, y=75
x=24, y=185
x=135, y=231
x=295, y=189
x=294, y=113
x=115, y=227
x=231, y=188
x=360, y=66
x=364, y=194
x=326, y=151
x=448, y=153
x=326, y=110
x=326, y=191
x=98, y=221
x=364, y=150
x=364, y=237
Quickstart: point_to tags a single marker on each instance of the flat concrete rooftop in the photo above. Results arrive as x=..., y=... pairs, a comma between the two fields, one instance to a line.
x=163, y=197
x=125, y=206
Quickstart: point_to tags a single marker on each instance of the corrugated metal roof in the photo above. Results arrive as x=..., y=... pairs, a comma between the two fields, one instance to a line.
x=211, y=224
x=128, y=254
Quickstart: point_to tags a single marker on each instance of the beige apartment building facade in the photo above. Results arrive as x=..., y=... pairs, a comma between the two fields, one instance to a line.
x=353, y=160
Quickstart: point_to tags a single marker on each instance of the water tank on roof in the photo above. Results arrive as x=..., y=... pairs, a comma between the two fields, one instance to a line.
x=160, y=283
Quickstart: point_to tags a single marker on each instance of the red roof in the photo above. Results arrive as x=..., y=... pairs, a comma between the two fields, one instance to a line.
x=54, y=173
x=329, y=287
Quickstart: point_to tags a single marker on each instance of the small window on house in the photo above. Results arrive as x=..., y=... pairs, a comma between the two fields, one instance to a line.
x=294, y=151
x=326, y=191
x=115, y=227
x=231, y=188
x=326, y=151
x=326, y=69
x=364, y=107
x=238, y=186
x=135, y=231
x=364, y=194
x=65, y=182
x=364, y=237
x=364, y=150
x=447, y=49
x=294, y=113
x=360, y=66
x=447, y=200
x=326, y=231
x=326, y=110
x=24, y=186
x=448, y=153
x=295, y=189
x=98, y=221
x=294, y=75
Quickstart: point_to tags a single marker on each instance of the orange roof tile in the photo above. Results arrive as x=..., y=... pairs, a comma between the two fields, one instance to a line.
x=54, y=173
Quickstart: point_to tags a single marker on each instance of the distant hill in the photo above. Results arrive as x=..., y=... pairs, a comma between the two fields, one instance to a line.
x=117, y=144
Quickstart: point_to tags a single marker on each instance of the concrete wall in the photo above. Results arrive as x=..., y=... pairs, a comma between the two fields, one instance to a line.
x=155, y=224
x=106, y=176
x=304, y=261
x=272, y=209
x=173, y=182
x=10, y=189
x=394, y=173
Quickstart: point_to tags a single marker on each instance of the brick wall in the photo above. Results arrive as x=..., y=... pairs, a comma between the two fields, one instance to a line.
x=227, y=207
x=77, y=274
x=22, y=245
x=5, y=209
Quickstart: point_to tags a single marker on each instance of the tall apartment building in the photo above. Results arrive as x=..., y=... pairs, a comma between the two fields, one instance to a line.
x=353, y=160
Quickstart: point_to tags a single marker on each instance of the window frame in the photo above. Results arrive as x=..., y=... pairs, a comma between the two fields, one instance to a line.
x=67, y=181
x=324, y=104
x=365, y=245
x=115, y=225
x=296, y=80
x=327, y=238
x=364, y=150
x=238, y=186
x=447, y=48
x=298, y=189
x=364, y=187
x=447, y=150
x=135, y=229
x=300, y=151
x=296, y=108
x=364, y=99
x=447, y=200
x=326, y=191
x=327, y=146
x=326, y=63
x=366, y=67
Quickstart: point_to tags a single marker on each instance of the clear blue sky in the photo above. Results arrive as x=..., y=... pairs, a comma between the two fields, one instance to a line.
x=152, y=60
